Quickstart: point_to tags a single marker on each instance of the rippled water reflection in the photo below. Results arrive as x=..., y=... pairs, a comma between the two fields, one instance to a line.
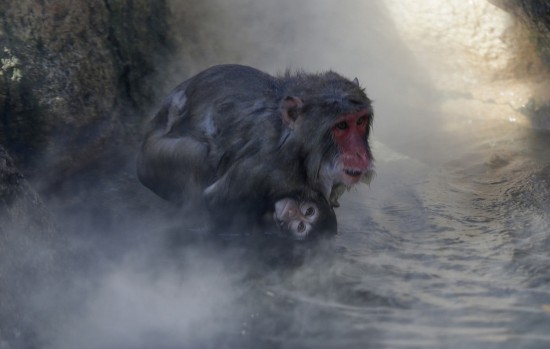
x=449, y=252
x=448, y=248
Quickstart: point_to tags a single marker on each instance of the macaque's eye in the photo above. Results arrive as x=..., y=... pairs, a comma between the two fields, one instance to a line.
x=301, y=227
x=310, y=211
x=361, y=121
x=342, y=125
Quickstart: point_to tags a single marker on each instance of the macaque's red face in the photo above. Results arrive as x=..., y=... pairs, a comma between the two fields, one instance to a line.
x=350, y=133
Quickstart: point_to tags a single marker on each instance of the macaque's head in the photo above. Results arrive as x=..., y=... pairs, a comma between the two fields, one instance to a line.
x=331, y=120
x=301, y=218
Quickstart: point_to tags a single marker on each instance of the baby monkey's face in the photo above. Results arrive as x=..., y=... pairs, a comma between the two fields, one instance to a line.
x=300, y=218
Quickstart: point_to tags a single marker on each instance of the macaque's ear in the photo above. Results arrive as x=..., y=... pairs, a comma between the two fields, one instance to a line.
x=289, y=110
x=356, y=81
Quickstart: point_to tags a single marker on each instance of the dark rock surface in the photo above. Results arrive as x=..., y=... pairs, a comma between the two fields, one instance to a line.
x=29, y=244
x=536, y=15
x=76, y=84
x=20, y=205
x=72, y=81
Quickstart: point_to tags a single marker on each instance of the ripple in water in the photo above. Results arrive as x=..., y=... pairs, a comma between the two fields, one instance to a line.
x=449, y=254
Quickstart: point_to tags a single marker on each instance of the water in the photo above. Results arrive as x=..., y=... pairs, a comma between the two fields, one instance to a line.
x=446, y=253
x=448, y=248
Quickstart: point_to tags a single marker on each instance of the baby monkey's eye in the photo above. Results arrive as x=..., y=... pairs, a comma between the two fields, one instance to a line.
x=310, y=212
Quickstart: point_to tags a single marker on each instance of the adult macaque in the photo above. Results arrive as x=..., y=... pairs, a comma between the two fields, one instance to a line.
x=235, y=136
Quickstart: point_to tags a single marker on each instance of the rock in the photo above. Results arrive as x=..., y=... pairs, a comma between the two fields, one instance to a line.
x=478, y=55
x=536, y=15
x=29, y=245
x=73, y=80
x=467, y=43
x=19, y=203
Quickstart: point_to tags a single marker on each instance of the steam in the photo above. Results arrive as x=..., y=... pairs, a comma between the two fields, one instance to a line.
x=354, y=38
x=131, y=282
x=124, y=283
x=146, y=301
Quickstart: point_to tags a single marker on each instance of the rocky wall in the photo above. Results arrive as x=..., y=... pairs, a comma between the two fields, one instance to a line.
x=73, y=79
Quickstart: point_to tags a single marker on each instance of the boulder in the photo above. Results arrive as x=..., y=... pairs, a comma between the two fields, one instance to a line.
x=536, y=15
x=29, y=244
x=73, y=80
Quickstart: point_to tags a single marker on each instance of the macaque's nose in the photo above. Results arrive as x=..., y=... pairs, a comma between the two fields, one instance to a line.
x=363, y=156
x=295, y=214
x=292, y=213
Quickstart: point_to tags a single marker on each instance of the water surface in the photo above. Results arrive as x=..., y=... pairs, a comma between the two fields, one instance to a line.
x=445, y=250
x=448, y=248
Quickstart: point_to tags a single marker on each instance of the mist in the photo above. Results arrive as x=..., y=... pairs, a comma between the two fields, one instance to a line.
x=132, y=274
x=354, y=38
x=143, y=290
